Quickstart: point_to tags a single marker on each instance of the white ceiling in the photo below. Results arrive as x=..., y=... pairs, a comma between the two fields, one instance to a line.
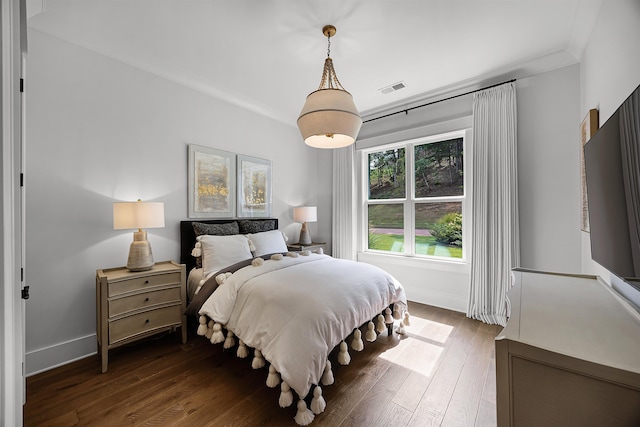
x=267, y=55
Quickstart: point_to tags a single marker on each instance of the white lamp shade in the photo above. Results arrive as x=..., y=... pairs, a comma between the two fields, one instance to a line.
x=305, y=214
x=139, y=214
x=329, y=119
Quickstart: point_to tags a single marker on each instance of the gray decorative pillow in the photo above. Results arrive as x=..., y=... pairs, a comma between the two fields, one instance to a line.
x=256, y=226
x=225, y=229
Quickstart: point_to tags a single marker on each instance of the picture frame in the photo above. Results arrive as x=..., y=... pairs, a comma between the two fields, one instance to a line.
x=588, y=128
x=212, y=186
x=254, y=187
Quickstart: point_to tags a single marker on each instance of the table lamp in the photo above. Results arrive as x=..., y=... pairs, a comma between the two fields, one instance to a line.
x=305, y=214
x=127, y=215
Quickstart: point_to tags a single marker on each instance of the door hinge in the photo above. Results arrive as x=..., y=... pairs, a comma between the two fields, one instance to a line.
x=21, y=274
x=21, y=85
x=21, y=179
x=25, y=292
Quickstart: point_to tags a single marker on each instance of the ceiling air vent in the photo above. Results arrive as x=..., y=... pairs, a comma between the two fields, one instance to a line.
x=392, y=88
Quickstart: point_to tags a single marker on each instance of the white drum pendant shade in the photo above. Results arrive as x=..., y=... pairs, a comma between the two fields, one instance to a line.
x=329, y=119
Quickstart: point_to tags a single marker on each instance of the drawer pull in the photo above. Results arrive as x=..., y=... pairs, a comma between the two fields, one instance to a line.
x=146, y=299
x=146, y=282
x=146, y=321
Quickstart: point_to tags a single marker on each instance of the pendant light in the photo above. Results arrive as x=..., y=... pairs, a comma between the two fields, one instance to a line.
x=329, y=118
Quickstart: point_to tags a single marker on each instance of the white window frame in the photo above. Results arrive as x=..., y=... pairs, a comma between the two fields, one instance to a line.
x=409, y=201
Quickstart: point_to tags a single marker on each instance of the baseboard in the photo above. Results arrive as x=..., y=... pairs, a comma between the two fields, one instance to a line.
x=437, y=299
x=46, y=358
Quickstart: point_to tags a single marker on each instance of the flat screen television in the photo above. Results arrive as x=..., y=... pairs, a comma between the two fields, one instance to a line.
x=612, y=168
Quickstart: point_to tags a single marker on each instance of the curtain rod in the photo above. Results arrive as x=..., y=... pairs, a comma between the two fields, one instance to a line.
x=406, y=110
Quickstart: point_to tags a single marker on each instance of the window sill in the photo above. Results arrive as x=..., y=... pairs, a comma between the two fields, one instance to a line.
x=415, y=262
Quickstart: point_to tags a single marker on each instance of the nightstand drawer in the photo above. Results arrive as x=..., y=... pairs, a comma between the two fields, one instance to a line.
x=143, y=322
x=134, y=284
x=143, y=300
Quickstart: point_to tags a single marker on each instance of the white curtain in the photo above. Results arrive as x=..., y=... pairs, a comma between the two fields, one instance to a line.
x=495, y=245
x=344, y=203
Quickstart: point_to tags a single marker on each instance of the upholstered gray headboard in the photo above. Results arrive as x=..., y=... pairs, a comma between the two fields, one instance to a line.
x=245, y=225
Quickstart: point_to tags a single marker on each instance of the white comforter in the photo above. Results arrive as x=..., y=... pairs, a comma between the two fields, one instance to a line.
x=296, y=310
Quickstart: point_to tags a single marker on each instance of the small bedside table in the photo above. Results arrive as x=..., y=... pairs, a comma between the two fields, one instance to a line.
x=131, y=305
x=311, y=247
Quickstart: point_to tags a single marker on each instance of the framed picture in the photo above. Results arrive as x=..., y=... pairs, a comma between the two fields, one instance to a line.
x=212, y=186
x=588, y=128
x=254, y=187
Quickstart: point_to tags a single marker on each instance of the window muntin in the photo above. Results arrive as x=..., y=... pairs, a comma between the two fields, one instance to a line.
x=429, y=222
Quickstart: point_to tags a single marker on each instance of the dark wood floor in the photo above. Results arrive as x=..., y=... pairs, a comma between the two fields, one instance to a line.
x=442, y=372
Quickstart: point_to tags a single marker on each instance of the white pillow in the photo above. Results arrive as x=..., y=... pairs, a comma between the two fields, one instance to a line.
x=267, y=242
x=219, y=252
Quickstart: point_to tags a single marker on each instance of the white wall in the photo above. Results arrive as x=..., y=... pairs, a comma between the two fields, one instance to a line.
x=609, y=72
x=548, y=183
x=100, y=131
x=549, y=170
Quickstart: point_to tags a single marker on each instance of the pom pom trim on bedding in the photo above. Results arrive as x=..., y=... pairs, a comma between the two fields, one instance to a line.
x=299, y=363
x=286, y=395
x=304, y=415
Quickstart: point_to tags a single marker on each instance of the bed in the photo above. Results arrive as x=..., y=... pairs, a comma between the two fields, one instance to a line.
x=285, y=310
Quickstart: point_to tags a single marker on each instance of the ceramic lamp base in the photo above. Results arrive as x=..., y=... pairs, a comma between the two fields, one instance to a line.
x=140, y=255
x=305, y=237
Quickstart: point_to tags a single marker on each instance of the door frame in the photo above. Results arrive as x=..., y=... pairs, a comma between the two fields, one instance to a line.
x=12, y=393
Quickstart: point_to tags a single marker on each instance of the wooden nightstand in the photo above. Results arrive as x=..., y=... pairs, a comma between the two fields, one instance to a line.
x=311, y=247
x=134, y=305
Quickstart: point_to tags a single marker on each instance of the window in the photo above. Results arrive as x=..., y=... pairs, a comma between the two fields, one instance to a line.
x=415, y=197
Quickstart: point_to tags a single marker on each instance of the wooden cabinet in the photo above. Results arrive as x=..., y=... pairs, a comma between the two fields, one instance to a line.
x=134, y=305
x=569, y=355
